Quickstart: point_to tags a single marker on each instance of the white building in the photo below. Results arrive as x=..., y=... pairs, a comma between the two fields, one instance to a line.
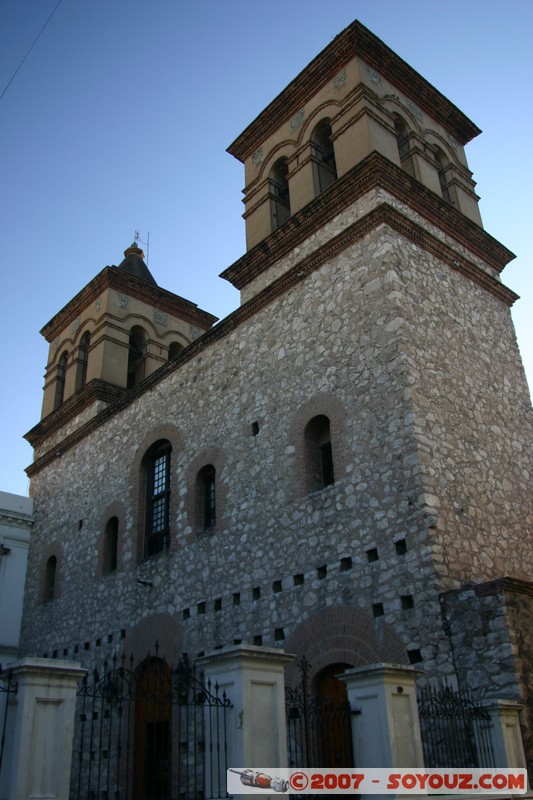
x=15, y=526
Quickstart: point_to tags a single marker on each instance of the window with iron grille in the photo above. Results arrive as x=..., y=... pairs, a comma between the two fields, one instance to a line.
x=158, y=472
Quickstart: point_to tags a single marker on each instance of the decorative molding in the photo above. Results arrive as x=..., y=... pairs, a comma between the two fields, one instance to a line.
x=413, y=108
x=297, y=120
x=374, y=76
x=453, y=143
x=340, y=80
x=257, y=157
x=123, y=300
x=160, y=317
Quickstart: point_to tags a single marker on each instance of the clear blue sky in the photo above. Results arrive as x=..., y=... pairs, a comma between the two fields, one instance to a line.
x=120, y=117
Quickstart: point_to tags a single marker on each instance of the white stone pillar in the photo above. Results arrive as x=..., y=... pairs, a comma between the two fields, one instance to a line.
x=41, y=751
x=506, y=736
x=385, y=727
x=253, y=679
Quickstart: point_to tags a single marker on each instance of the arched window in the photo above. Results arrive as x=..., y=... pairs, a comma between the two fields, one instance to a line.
x=109, y=562
x=157, y=464
x=324, y=166
x=404, y=146
x=60, y=380
x=442, y=167
x=206, y=497
x=83, y=357
x=319, y=456
x=136, y=356
x=50, y=576
x=174, y=350
x=280, y=206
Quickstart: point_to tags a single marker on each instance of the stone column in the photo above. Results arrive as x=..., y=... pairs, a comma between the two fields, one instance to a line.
x=41, y=750
x=386, y=730
x=506, y=736
x=253, y=679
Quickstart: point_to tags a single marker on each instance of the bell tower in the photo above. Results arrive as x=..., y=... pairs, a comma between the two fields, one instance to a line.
x=356, y=98
x=115, y=333
x=356, y=177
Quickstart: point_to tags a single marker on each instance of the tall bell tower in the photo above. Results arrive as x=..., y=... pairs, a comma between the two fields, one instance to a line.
x=358, y=169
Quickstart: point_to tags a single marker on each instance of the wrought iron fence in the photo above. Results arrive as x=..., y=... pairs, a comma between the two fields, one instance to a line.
x=455, y=729
x=8, y=690
x=319, y=732
x=149, y=732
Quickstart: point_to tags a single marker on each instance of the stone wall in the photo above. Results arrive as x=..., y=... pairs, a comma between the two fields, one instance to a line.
x=490, y=628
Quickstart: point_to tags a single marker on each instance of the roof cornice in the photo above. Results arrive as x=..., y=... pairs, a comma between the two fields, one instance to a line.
x=355, y=40
x=91, y=392
x=122, y=281
x=373, y=172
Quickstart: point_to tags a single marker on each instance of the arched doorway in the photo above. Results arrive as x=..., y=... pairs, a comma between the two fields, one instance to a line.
x=153, y=705
x=319, y=728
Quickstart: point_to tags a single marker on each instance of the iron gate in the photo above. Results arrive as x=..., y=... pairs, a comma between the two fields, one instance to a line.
x=149, y=732
x=8, y=690
x=455, y=729
x=319, y=730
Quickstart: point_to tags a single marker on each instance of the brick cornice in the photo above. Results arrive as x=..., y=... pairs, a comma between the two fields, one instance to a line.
x=497, y=586
x=382, y=215
x=374, y=172
x=507, y=584
x=122, y=281
x=94, y=390
x=355, y=40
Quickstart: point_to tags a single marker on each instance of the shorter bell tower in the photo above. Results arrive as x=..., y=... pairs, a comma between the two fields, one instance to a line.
x=116, y=332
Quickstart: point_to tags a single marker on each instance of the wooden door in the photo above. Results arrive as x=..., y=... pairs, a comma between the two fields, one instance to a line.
x=152, y=731
x=333, y=719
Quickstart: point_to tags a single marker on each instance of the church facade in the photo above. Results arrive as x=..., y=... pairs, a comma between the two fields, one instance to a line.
x=341, y=467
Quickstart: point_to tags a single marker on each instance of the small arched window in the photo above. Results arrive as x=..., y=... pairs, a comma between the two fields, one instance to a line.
x=442, y=170
x=174, y=350
x=136, y=356
x=404, y=145
x=157, y=465
x=280, y=206
x=60, y=380
x=324, y=166
x=83, y=358
x=50, y=578
x=109, y=563
x=206, y=497
x=319, y=455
